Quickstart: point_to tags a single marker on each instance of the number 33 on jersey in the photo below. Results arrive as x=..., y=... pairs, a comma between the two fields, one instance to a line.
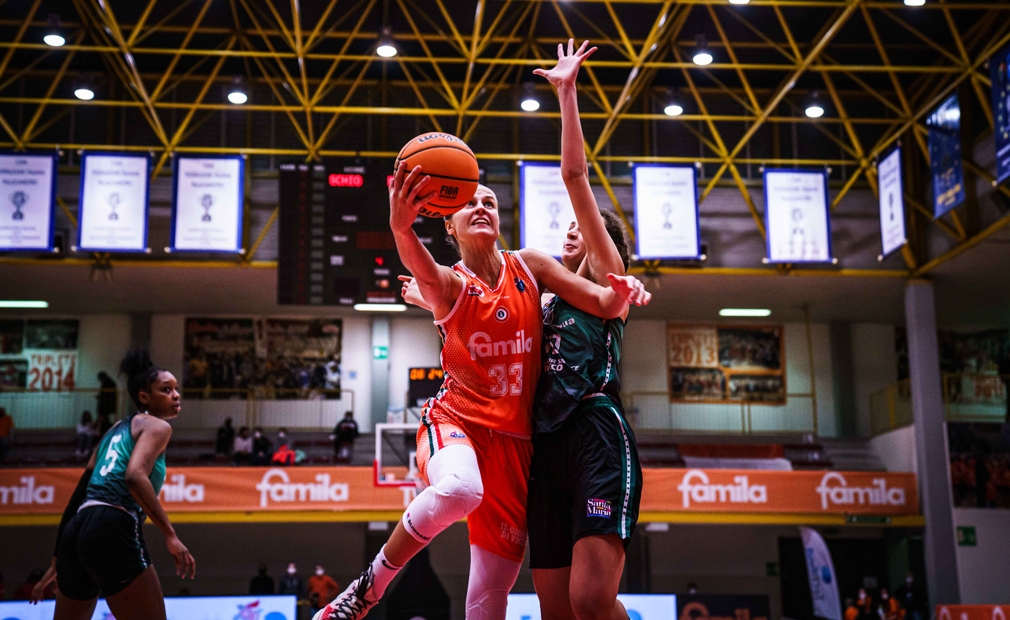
x=491, y=349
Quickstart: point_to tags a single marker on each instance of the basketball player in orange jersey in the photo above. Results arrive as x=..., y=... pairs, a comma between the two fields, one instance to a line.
x=473, y=445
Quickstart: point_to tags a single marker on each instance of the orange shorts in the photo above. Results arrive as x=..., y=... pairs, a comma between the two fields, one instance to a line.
x=498, y=525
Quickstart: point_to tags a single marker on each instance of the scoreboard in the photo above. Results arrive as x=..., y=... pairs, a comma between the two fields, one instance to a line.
x=336, y=248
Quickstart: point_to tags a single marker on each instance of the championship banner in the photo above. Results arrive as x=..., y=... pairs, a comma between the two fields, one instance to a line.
x=39, y=355
x=945, y=156
x=27, y=202
x=113, y=203
x=999, y=66
x=666, y=212
x=797, y=218
x=207, y=196
x=545, y=208
x=972, y=612
x=723, y=607
x=892, y=203
x=257, y=489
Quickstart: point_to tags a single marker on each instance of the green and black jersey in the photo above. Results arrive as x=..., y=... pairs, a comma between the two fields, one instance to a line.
x=108, y=482
x=581, y=354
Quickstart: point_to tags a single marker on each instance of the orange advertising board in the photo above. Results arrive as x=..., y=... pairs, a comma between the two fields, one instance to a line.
x=973, y=612
x=257, y=489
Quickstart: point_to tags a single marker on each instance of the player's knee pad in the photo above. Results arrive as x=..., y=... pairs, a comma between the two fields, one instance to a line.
x=489, y=605
x=456, y=490
x=491, y=579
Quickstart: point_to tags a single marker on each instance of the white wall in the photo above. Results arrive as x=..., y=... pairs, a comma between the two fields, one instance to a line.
x=876, y=366
x=413, y=343
x=896, y=449
x=643, y=369
x=982, y=570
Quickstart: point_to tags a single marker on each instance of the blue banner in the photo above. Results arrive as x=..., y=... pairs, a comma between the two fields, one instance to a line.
x=945, y=156
x=999, y=65
x=188, y=608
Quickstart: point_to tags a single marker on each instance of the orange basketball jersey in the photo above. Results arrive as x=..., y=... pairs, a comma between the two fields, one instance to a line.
x=491, y=350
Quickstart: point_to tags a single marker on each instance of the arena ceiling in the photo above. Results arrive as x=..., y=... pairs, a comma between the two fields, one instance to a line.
x=317, y=88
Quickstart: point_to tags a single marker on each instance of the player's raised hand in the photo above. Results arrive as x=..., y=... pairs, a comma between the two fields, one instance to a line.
x=567, y=69
x=630, y=288
x=405, y=197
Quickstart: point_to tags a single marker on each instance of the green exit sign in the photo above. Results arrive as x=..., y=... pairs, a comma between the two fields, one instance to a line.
x=380, y=353
x=966, y=536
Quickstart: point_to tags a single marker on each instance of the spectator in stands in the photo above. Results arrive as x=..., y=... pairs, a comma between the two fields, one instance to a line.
x=24, y=591
x=106, y=396
x=911, y=598
x=243, y=447
x=85, y=433
x=6, y=433
x=343, y=437
x=322, y=587
x=292, y=584
x=262, y=584
x=282, y=438
x=102, y=425
x=864, y=603
x=261, y=448
x=851, y=611
x=225, y=438
x=888, y=608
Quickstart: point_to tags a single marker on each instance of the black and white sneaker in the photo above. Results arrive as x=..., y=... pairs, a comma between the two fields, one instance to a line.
x=353, y=603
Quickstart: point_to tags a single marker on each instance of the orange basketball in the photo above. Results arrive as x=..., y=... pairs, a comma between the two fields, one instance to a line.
x=451, y=165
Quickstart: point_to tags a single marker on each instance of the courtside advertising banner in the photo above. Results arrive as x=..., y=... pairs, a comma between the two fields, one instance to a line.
x=27, y=202
x=185, y=608
x=666, y=212
x=945, y=156
x=999, y=71
x=27, y=491
x=821, y=571
x=797, y=221
x=207, y=203
x=892, y=203
x=545, y=208
x=639, y=606
x=972, y=612
x=113, y=205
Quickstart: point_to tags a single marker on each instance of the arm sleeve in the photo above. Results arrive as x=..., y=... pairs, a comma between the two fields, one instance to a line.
x=75, y=503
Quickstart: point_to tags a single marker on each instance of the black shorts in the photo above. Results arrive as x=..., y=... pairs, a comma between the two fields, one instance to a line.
x=585, y=480
x=101, y=551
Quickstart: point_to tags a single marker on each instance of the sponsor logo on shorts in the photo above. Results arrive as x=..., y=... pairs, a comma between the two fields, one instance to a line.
x=457, y=435
x=501, y=314
x=475, y=291
x=513, y=534
x=27, y=493
x=520, y=284
x=598, y=508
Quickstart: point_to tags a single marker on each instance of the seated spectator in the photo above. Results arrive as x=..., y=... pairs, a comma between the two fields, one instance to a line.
x=851, y=611
x=225, y=438
x=24, y=591
x=242, y=448
x=85, y=433
x=343, y=437
x=6, y=432
x=282, y=438
x=284, y=456
x=262, y=584
x=262, y=448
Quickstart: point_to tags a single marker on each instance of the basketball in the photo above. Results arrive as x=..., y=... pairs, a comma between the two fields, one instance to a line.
x=451, y=165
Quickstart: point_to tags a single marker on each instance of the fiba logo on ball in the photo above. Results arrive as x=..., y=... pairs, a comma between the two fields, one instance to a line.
x=501, y=315
x=448, y=192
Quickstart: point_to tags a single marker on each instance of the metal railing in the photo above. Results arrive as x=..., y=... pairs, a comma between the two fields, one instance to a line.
x=201, y=408
x=653, y=411
x=966, y=398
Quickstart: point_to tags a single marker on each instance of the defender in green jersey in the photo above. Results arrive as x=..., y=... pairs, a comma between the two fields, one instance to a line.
x=100, y=545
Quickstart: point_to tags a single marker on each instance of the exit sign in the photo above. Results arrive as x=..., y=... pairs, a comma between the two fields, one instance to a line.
x=966, y=536
x=380, y=353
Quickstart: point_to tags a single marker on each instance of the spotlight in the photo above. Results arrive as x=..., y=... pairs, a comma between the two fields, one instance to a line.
x=53, y=36
x=814, y=108
x=529, y=102
x=702, y=56
x=237, y=92
x=386, y=48
x=915, y=2
x=739, y=1
x=673, y=110
x=84, y=92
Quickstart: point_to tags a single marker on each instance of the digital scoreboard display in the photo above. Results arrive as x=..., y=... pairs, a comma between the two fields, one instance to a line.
x=336, y=248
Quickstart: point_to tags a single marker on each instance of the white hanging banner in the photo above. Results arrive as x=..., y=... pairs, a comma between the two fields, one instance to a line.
x=892, y=203
x=821, y=572
x=27, y=201
x=666, y=212
x=546, y=210
x=113, y=205
x=207, y=203
x=796, y=216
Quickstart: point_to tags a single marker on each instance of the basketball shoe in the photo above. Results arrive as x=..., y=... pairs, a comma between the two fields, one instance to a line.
x=353, y=603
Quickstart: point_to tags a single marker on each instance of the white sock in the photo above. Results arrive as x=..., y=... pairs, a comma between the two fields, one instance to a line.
x=384, y=572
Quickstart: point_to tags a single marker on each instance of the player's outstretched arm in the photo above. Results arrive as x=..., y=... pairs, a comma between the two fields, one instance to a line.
x=438, y=285
x=602, y=256
x=604, y=302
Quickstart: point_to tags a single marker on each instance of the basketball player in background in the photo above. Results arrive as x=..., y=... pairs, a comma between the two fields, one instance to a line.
x=473, y=445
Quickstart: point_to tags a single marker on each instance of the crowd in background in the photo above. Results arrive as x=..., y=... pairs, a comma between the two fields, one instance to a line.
x=245, y=447
x=907, y=603
x=319, y=590
x=230, y=374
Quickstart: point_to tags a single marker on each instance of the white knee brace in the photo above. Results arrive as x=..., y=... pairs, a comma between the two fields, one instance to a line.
x=455, y=491
x=491, y=579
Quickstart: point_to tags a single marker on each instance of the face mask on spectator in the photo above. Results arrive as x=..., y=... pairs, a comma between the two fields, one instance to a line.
x=257, y=435
x=320, y=572
x=282, y=434
x=291, y=570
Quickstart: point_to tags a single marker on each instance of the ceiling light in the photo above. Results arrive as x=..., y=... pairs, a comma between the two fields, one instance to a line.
x=83, y=88
x=702, y=56
x=814, y=108
x=739, y=1
x=529, y=102
x=10, y=303
x=744, y=312
x=53, y=36
x=380, y=307
x=237, y=92
x=915, y=2
x=386, y=48
x=673, y=110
